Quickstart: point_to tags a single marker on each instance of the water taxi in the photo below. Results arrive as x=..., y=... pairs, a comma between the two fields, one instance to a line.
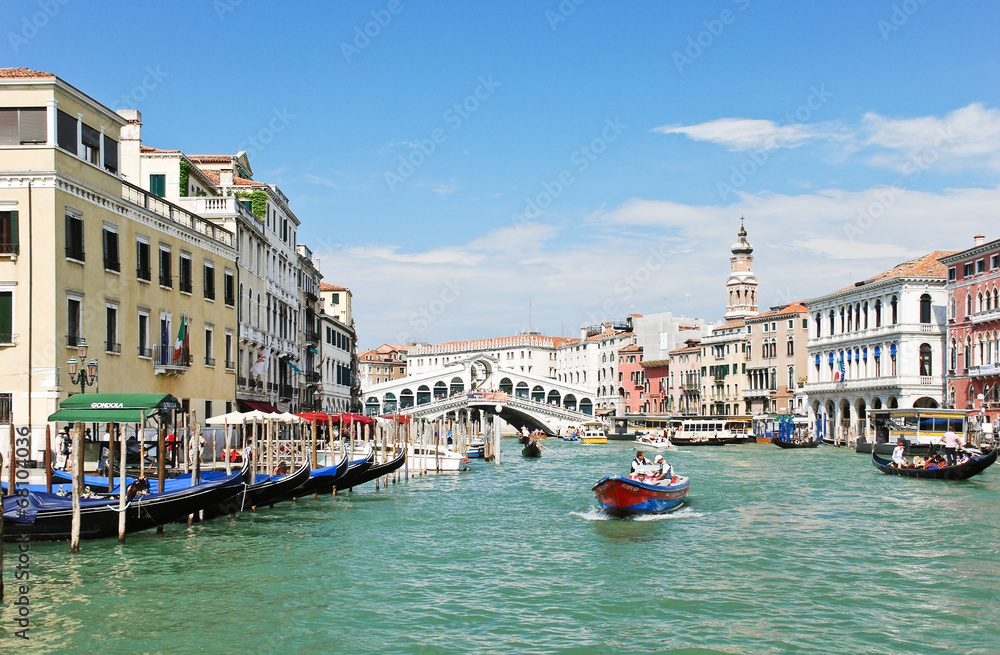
x=640, y=493
x=713, y=431
x=653, y=442
x=593, y=432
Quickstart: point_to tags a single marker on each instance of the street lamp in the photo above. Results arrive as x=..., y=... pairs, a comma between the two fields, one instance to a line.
x=76, y=376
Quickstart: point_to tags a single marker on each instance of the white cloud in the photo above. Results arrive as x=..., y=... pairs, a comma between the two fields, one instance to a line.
x=751, y=134
x=610, y=265
x=968, y=137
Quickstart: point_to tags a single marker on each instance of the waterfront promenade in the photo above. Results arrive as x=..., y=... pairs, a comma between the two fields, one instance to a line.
x=777, y=552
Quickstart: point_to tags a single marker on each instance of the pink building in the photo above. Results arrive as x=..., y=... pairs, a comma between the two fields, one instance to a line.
x=632, y=383
x=973, y=382
x=684, y=388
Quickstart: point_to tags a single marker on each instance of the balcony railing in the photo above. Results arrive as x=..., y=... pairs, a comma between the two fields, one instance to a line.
x=230, y=365
x=166, y=280
x=241, y=380
x=112, y=265
x=145, y=352
x=10, y=248
x=209, y=361
x=286, y=391
x=312, y=336
x=165, y=356
x=115, y=348
x=143, y=274
x=172, y=212
x=73, y=252
x=312, y=377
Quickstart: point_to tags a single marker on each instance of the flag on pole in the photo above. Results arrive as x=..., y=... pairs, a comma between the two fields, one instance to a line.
x=181, y=337
x=839, y=375
x=260, y=366
x=293, y=366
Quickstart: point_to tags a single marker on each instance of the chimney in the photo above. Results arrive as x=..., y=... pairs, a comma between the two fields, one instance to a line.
x=226, y=177
x=583, y=334
x=130, y=143
x=979, y=239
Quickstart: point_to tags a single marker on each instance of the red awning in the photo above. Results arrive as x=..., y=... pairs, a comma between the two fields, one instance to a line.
x=317, y=416
x=347, y=419
x=259, y=406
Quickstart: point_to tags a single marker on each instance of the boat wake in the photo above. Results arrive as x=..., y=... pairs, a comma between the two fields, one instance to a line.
x=595, y=514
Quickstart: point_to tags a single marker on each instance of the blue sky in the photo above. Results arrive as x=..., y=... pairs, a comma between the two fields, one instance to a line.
x=867, y=132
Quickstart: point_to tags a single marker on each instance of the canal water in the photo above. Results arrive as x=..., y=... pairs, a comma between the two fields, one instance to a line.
x=777, y=551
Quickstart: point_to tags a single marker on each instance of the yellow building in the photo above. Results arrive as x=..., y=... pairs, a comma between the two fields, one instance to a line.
x=88, y=256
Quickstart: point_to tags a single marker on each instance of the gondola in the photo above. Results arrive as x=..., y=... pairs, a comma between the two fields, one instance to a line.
x=321, y=480
x=267, y=491
x=532, y=450
x=357, y=469
x=973, y=467
x=48, y=517
x=787, y=443
x=378, y=470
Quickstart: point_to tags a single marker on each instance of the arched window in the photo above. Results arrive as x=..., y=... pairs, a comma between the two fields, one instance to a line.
x=864, y=312
x=842, y=323
x=954, y=355
x=831, y=322
x=791, y=346
x=878, y=313
x=819, y=325
x=857, y=316
x=895, y=312
x=979, y=302
x=925, y=308
x=968, y=352
x=953, y=309
x=996, y=298
x=968, y=304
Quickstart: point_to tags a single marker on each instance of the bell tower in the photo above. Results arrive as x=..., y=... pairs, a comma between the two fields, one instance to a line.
x=742, y=284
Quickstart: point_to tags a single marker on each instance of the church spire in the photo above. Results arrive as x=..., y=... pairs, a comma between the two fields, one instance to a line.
x=742, y=284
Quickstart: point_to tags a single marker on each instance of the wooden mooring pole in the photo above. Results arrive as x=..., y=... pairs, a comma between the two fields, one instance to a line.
x=77, y=455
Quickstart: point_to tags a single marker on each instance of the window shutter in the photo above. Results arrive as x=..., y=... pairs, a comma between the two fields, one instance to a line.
x=66, y=131
x=6, y=317
x=110, y=154
x=13, y=229
x=8, y=127
x=33, y=127
x=91, y=137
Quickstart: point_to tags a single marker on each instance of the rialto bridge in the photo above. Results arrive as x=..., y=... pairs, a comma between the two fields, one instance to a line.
x=477, y=389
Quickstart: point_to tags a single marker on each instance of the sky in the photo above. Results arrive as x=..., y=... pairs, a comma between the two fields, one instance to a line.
x=455, y=164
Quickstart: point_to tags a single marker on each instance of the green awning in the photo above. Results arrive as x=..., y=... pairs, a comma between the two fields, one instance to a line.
x=113, y=407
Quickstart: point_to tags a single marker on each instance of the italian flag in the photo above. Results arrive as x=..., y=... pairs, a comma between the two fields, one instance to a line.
x=179, y=344
x=839, y=375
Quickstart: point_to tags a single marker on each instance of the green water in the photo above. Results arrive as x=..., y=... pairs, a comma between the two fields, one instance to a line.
x=777, y=551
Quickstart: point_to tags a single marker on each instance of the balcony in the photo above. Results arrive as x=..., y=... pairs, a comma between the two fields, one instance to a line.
x=112, y=265
x=758, y=393
x=312, y=377
x=285, y=391
x=312, y=336
x=176, y=214
x=144, y=274
x=165, y=363
x=983, y=317
x=248, y=333
x=241, y=381
x=985, y=370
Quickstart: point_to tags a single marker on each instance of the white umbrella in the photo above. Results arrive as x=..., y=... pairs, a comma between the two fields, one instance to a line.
x=286, y=417
x=232, y=418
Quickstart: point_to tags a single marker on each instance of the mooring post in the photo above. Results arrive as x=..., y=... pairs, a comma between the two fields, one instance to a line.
x=121, y=481
x=1, y=533
x=48, y=464
x=77, y=455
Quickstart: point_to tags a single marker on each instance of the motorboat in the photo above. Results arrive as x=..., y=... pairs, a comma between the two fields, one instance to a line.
x=653, y=442
x=593, y=432
x=641, y=493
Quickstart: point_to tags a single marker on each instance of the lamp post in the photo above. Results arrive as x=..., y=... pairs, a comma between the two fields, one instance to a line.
x=80, y=376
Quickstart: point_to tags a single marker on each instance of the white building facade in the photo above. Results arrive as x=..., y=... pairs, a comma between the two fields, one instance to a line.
x=878, y=343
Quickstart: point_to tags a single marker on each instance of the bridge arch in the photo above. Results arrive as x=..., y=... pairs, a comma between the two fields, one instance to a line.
x=553, y=398
x=538, y=394
x=569, y=402
x=506, y=385
x=457, y=385
x=405, y=398
x=423, y=394
x=440, y=390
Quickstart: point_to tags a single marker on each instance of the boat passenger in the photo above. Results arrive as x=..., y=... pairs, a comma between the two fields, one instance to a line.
x=640, y=460
x=897, y=455
x=666, y=471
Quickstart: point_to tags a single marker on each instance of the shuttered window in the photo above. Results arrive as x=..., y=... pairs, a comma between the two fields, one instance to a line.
x=91, y=144
x=111, y=260
x=66, y=131
x=110, y=154
x=143, y=268
x=32, y=126
x=74, y=238
x=9, y=135
x=8, y=233
x=6, y=316
x=158, y=185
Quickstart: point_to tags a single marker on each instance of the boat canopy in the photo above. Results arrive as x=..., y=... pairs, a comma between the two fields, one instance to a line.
x=113, y=407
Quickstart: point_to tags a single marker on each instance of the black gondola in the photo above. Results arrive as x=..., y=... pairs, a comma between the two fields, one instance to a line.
x=964, y=471
x=378, y=470
x=532, y=449
x=43, y=516
x=321, y=480
x=356, y=471
x=786, y=443
x=265, y=492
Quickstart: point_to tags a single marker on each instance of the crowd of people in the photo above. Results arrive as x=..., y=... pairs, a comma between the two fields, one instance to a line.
x=953, y=453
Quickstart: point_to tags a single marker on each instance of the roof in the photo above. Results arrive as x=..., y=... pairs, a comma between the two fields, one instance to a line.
x=656, y=363
x=22, y=73
x=685, y=349
x=496, y=342
x=237, y=181
x=730, y=324
x=211, y=159
x=790, y=309
x=631, y=349
x=609, y=331
x=924, y=266
x=154, y=151
x=324, y=286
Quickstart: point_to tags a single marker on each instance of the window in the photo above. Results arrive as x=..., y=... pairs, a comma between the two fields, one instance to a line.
x=791, y=324
x=6, y=317
x=968, y=304
x=66, y=136
x=925, y=360
x=209, y=347
x=111, y=344
x=166, y=275
x=8, y=233
x=895, y=314
x=91, y=139
x=980, y=265
x=22, y=126
x=230, y=365
x=953, y=308
x=335, y=298
x=967, y=270
x=925, y=309
x=110, y=155
x=144, y=349
x=994, y=261
x=73, y=309
x=158, y=184
x=209, y=281
x=230, y=289
x=185, y=283
x=74, y=237
x=954, y=355
x=111, y=259
x=791, y=346
x=952, y=273
x=143, y=268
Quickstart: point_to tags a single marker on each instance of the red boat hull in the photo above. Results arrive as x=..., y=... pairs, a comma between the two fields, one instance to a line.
x=623, y=497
